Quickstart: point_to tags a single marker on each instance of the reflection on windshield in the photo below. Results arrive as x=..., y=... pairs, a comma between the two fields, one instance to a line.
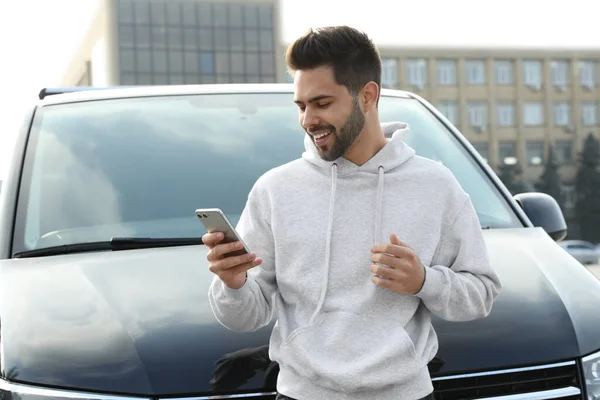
x=140, y=167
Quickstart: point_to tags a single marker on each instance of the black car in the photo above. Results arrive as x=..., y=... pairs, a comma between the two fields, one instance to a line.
x=104, y=279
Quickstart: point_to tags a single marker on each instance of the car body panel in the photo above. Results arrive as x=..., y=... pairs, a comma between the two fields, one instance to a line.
x=582, y=251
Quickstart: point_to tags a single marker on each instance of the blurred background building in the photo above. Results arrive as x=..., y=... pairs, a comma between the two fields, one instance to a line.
x=156, y=42
x=512, y=104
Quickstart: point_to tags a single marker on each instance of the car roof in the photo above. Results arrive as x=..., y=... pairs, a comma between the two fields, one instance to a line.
x=50, y=96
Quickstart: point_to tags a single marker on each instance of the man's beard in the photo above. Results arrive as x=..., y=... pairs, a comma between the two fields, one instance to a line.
x=348, y=134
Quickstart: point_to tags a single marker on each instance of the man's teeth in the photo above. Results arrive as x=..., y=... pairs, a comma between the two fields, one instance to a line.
x=322, y=135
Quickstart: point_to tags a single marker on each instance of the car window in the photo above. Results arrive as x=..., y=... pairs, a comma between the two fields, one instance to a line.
x=141, y=166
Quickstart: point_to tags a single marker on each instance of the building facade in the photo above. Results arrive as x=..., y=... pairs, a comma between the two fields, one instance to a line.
x=155, y=42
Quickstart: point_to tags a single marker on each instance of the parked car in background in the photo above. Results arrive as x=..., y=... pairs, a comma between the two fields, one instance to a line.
x=583, y=251
x=104, y=279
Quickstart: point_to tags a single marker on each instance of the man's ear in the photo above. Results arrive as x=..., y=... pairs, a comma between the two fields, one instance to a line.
x=368, y=96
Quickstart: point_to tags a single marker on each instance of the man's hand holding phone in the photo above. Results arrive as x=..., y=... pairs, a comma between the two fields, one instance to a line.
x=230, y=269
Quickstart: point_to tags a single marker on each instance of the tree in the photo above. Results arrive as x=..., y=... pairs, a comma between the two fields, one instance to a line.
x=587, y=189
x=510, y=175
x=549, y=181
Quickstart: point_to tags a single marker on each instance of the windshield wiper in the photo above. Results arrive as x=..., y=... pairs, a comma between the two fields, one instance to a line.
x=115, y=244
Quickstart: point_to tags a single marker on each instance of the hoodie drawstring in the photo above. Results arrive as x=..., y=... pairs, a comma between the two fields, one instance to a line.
x=379, y=207
x=328, y=243
x=376, y=232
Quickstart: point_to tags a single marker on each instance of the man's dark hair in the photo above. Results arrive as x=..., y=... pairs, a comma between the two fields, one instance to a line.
x=352, y=55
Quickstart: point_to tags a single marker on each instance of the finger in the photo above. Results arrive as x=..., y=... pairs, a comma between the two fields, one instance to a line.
x=392, y=249
x=249, y=265
x=231, y=262
x=387, y=272
x=395, y=241
x=386, y=259
x=382, y=271
x=382, y=283
x=225, y=248
x=212, y=239
x=242, y=267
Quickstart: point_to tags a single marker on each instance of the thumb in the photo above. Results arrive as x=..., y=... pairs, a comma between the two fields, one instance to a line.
x=395, y=241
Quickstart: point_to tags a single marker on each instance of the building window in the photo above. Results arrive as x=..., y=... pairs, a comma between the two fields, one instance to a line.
x=507, y=153
x=535, y=152
x=483, y=149
x=141, y=13
x=265, y=16
x=560, y=74
x=587, y=74
x=506, y=113
x=562, y=113
x=250, y=16
x=504, y=72
x=532, y=74
x=475, y=72
x=450, y=110
x=389, y=73
x=446, y=71
x=533, y=113
x=477, y=111
x=563, y=151
x=173, y=12
x=589, y=113
x=189, y=13
x=416, y=71
x=175, y=62
x=127, y=60
x=207, y=62
x=143, y=61
x=126, y=13
x=568, y=194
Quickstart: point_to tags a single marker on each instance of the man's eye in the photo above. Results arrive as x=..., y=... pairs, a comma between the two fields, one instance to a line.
x=323, y=105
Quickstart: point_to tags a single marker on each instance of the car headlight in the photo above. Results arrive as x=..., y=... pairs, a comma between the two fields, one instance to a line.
x=14, y=391
x=591, y=373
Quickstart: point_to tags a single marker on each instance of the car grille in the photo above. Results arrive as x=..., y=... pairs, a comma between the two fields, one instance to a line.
x=556, y=381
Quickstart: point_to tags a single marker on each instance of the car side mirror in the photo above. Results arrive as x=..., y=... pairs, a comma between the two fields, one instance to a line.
x=543, y=211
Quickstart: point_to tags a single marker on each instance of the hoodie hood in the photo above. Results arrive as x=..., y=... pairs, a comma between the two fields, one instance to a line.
x=394, y=154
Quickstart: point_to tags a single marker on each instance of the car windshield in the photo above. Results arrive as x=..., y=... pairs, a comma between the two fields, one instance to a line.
x=142, y=166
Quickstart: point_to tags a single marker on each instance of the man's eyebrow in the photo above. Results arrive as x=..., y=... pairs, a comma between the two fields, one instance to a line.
x=316, y=98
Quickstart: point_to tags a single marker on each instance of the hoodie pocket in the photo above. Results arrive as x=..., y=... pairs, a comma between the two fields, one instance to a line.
x=347, y=352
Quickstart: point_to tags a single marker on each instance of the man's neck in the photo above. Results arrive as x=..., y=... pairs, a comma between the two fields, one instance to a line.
x=370, y=142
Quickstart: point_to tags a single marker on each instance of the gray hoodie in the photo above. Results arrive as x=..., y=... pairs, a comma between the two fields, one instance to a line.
x=313, y=222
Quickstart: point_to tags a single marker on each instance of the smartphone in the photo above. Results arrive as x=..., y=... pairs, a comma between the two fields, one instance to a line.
x=214, y=220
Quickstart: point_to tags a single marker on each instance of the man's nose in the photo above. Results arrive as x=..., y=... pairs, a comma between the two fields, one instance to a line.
x=309, y=118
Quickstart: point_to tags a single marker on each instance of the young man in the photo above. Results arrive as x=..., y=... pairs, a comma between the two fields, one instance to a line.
x=355, y=244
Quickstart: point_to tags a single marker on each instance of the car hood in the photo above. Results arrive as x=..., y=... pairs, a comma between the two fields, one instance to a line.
x=139, y=322
x=547, y=310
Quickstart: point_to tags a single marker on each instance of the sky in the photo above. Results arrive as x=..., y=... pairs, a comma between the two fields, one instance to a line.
x=38, y=37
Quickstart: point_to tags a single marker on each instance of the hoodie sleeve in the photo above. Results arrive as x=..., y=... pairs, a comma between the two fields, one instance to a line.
x=461, y=284
x=250, y=307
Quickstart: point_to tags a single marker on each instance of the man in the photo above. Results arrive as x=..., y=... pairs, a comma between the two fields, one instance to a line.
x=355, y=244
